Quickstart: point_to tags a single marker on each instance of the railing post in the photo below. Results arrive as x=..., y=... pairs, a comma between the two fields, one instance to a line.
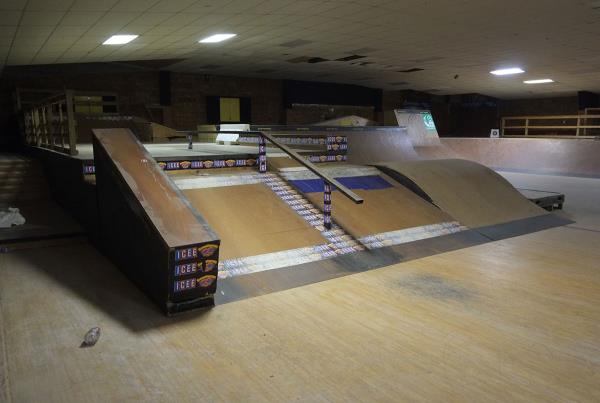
x=60, y=124
x=327, y=205
x=526, y=127
x=51, y=128
x=72, y=131
x=36, y=127
x=262, y=154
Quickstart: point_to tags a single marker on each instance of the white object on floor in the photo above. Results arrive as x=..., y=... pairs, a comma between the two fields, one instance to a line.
x=227, y=137
x=234, y=127
x=11, y=217
x=231, y=137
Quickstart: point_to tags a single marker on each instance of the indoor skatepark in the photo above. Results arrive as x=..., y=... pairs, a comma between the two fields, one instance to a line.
x=326, y=246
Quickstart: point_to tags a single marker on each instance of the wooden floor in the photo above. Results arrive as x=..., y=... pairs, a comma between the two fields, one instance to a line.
x=512, y=320
x=515, y=320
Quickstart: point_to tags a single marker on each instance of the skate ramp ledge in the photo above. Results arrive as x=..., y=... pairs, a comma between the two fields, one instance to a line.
x=265, y=282
x=148, y=228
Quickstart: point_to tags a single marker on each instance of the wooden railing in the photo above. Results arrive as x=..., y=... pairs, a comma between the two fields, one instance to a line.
x=563, y=126
x=51, y=124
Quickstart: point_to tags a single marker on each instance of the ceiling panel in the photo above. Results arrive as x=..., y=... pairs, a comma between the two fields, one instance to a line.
x=456, y=43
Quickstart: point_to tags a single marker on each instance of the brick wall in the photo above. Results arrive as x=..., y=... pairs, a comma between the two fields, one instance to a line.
x=189, y=92
x=139, y=89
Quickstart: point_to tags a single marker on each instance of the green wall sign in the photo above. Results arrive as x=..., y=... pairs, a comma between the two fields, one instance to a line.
x=428, y=121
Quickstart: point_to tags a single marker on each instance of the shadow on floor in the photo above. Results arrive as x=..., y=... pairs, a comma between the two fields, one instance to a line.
x=93, y=279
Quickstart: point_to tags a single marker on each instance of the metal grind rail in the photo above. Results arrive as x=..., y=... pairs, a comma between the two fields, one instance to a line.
x=328, y=181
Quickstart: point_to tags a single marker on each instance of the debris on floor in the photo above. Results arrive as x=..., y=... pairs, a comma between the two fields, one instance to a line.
x=91, y=337
x=11, y=217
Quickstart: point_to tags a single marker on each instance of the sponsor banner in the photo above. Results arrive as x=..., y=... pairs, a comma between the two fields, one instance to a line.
x=206, y=164
x=327, y=158
x=192, y=283
x=195, y=252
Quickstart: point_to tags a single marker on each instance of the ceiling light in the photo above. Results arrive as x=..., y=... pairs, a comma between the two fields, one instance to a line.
x=119, y=39
x=506, y=72
x=540, y=81
x=217, y=38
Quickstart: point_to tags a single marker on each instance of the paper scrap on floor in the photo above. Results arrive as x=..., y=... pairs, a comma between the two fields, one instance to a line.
x=11, y=217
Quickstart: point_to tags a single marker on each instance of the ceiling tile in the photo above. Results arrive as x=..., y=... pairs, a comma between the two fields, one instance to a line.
x=87, y=18
x=93, y=5
x=443, y=38
x=43, y=18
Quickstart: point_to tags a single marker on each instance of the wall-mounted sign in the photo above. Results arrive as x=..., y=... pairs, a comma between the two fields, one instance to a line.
x=428, y=121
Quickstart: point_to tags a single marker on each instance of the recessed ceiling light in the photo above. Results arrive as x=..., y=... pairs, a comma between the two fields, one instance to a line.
x=506, y=72
x=217, y=38
x=540, y=81
x=119, y=39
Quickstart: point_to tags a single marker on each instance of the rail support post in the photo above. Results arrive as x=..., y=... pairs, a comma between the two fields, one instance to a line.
x=262, y=154
x=327, y=205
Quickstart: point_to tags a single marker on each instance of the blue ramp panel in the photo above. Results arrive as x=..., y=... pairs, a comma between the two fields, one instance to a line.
x=370, y=182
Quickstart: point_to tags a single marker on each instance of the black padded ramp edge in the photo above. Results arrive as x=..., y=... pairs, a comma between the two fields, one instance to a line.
x=523, y=226
x=404, y=181
x=269, y=281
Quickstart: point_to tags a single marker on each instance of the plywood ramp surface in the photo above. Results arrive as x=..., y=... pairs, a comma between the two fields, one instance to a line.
x=157, y=194
x=551, y=156
x=435, y=152
x=514, y=320
x=419, y=133
x=383, y=210
x=365, y=148
x=473, y=194
x=252, y=220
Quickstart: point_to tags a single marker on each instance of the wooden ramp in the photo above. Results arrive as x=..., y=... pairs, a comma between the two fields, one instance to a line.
x=573, y=157
x=471, y=193
x=383, y=145
x=419, y=125
x=388, y=207
x=148, y=228
x=252, y=220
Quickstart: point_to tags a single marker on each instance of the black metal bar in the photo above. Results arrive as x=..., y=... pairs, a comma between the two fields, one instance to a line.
x=311, y=167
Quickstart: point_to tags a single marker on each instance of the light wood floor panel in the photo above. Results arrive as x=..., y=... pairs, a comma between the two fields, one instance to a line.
x=513, y=320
